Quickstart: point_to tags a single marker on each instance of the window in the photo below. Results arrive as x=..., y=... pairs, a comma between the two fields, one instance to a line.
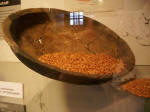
x=76, y=18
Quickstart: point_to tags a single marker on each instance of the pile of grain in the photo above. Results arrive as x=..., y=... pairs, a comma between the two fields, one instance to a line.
x=139, y=87
x=84, y=63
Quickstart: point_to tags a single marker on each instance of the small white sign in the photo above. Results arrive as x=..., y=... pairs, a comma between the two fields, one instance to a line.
x=11, y=89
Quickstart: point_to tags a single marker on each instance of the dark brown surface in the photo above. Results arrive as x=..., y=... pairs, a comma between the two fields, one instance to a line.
x=33, y=32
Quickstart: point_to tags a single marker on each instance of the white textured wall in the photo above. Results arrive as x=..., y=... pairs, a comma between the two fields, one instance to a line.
x=42, y=3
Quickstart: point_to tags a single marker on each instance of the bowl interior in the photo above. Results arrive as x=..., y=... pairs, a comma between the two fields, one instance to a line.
x=40, y=31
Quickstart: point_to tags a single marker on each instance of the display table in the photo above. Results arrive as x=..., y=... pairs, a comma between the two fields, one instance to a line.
x=43, y=94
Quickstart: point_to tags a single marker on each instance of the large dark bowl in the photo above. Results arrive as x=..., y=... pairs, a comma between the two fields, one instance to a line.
x=33, y=32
